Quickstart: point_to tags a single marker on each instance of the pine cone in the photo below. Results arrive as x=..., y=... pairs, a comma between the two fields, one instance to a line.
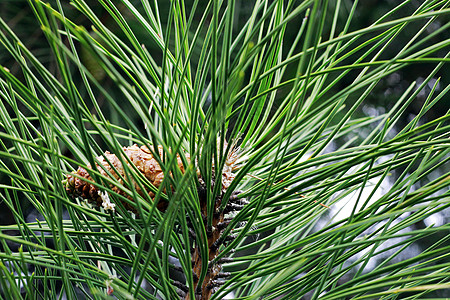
x=140, y=157
x=143, y=160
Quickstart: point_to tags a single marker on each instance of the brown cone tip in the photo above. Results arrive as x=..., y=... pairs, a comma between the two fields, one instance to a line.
x=140, y=157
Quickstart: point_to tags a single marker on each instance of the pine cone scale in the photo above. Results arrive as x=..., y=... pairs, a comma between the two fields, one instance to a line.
x=110, y=165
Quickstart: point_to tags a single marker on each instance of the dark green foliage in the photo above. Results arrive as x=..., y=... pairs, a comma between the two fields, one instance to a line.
x=341, y=116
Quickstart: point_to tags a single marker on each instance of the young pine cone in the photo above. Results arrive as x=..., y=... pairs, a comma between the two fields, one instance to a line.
x=140, y=157
x=143, y=160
